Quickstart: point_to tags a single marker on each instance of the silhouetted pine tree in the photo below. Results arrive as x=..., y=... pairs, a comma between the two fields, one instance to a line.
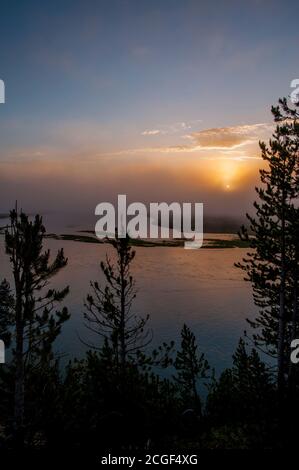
x=272, y=266
x=36, y=323
x=190, y=368
x=241, y=404
x=288, y=115
x=109, y=309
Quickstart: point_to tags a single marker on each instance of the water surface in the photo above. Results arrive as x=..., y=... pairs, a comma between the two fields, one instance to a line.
x=201, y=288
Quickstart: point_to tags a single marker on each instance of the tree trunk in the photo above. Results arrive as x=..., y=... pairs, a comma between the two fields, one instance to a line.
x=122, y=315
x=281, y=323
x=281, y=341
x=291, y=378
x=19, y=377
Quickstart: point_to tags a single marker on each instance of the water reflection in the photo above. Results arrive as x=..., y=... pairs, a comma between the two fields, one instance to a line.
x=199, y=287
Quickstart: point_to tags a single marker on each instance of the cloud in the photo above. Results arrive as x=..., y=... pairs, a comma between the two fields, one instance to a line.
x=151, y=132
x=175, y=128
x=228, y=137
x=90, y=141
x=227, y=142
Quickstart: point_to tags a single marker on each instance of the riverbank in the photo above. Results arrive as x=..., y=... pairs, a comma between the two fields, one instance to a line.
x=234, y=242
x=87, y=237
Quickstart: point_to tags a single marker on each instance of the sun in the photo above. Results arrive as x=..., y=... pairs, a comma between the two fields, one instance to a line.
x=227, y=187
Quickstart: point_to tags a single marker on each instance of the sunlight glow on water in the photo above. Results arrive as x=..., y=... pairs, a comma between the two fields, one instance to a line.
x=199, y=287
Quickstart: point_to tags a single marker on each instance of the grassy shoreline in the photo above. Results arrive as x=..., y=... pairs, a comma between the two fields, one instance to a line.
x=87, y=236
x=209, y=243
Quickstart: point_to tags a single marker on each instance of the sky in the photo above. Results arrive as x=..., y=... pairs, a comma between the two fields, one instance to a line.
x=162, y=100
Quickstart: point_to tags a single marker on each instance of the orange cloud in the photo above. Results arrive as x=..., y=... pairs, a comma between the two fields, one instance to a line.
x=228, y=137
